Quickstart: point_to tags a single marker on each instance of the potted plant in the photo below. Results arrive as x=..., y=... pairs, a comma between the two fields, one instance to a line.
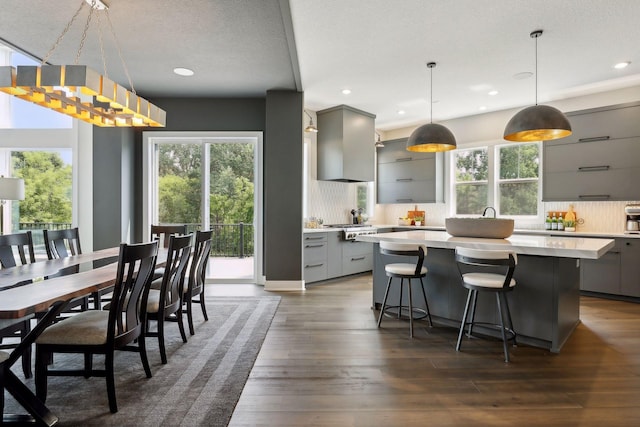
x=418, y=220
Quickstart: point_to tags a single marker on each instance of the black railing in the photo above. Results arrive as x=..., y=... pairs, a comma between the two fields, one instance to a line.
x=229, y=240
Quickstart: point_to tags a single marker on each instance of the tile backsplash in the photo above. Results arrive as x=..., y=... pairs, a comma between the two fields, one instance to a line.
x=331, y=201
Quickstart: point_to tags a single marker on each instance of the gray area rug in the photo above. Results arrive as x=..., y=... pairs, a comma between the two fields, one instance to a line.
x=200, y=385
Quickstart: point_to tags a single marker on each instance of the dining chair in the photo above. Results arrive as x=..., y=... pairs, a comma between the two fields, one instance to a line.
x=62, y=243
x=101, y=331
x=163, y=232
x=166, y=303
x=17, y=249
x=194, y=290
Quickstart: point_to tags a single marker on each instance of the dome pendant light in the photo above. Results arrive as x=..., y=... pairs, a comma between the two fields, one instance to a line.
x=538, y=122
x=431, y=137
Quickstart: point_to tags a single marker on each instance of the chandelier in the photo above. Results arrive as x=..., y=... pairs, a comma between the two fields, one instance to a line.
x=79, y=91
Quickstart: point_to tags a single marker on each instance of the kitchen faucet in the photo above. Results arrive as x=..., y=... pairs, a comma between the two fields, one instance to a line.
x=484, y=213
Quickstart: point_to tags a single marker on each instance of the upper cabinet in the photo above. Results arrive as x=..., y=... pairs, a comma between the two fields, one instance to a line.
x=346, y=138
x=409, y=176
x=599, y=161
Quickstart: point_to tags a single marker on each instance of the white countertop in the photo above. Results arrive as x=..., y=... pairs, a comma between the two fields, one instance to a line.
x=557, y=246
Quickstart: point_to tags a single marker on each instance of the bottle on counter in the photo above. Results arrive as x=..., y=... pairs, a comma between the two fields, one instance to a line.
x=560, y=222
x=547, y=222
x=554, y=222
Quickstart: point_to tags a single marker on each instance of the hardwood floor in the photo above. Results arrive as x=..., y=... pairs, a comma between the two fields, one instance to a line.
x=324, y=363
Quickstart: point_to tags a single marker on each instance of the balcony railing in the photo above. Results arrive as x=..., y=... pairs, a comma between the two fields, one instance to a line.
x=229, y=240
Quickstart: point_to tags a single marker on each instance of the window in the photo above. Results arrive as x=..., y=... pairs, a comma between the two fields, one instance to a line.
x=518, y=178
x=471, y=181
x=511, y=186
x=364, y=198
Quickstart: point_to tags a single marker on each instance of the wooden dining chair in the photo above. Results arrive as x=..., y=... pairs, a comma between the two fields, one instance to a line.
x=17, y=249
x=163, y=232
x=101, y=331
x=166, y=303
x=194, y=289
x=62, y=243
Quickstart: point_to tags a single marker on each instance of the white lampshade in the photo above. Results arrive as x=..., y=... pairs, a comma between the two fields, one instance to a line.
x=11, y=188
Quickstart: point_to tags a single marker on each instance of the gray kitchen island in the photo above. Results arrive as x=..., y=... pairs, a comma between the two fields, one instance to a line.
x=545, y=305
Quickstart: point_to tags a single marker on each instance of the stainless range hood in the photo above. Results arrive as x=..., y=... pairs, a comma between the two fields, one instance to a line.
x=346, y=149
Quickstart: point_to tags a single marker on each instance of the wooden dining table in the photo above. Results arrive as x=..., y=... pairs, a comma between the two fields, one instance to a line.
x=34, y=288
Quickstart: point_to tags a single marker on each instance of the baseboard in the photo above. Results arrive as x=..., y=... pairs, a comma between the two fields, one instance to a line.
x=284, y=285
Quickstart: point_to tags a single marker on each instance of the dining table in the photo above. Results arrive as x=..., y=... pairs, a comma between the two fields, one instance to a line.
x=35, y=288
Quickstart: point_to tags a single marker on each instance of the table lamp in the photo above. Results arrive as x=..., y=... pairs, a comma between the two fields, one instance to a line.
x=10, y=189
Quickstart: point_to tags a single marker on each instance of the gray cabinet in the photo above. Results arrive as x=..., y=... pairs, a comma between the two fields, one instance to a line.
x=408, y=177
x=599, y=160
x=357, y=257
x=315, y=252
x=346, y=149
x=615, y=273
x=327, y=256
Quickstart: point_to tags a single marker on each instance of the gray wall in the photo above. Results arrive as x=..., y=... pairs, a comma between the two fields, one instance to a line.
x=283, y=186
x=117, y=159
x=114, y=164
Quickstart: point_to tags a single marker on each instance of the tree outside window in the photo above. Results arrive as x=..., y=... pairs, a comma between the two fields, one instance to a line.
x=471, y=180
x=519, y=168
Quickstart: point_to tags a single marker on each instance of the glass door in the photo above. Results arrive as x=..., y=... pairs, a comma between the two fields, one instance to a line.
x=210, y=182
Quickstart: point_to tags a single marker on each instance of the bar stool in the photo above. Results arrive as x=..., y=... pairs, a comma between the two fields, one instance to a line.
x=499, y=284
x=405, y=271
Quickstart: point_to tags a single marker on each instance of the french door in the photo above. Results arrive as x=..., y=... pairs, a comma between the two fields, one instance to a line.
x=209, y=180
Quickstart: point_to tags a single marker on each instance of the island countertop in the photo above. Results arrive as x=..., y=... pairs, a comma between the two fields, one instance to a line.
x=554, y=246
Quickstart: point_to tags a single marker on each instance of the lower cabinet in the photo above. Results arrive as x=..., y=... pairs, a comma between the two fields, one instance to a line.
x=357, y=257
x=327, y=256
x=616, y=273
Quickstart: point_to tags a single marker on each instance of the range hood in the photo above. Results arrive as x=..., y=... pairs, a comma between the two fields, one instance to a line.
x=346, y=149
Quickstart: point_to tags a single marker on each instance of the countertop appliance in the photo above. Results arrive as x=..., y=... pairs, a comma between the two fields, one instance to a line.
x=633, y=219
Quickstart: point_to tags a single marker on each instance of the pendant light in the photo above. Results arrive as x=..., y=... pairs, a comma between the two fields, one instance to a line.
x=311, y=127
x=431, y=137
x=538, y=122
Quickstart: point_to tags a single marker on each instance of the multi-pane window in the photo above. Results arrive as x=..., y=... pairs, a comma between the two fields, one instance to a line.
x=471, y=180
x=503, y=176
x=518, y=177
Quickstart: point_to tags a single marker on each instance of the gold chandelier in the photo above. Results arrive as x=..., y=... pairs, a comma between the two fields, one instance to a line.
x=79, y=91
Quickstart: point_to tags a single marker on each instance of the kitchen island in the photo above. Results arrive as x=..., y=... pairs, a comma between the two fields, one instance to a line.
x=545, y=305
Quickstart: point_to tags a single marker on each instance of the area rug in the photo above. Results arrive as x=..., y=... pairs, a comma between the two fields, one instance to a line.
x=200, y=385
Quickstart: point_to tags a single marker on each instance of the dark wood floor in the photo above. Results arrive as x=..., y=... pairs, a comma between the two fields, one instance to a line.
x=324, y=363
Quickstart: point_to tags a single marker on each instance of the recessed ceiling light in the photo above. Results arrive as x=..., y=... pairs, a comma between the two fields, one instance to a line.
x=493, y=92
x=621, y=65
x=346, y=91
x=523, y=75
x=183, y=71
x=483, y=107
x=401, y=112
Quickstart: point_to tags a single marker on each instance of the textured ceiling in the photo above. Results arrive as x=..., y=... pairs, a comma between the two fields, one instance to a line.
x=376, y=48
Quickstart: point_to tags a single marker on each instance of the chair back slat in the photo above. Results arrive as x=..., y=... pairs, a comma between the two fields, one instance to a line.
x=198, y=269
x=175, y=269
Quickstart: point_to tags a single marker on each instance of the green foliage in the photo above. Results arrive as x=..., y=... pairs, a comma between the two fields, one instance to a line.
x=472, y=165
x=48, y=184
x=519, y=161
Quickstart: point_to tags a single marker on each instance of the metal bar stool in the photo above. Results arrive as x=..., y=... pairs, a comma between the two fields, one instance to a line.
x=405, y=271
x=499, y=284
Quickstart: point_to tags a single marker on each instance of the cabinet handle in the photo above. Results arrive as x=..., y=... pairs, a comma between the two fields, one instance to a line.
x=595, y=138
x=594, y=196
x=613, y=252
x=404, y=159
x=313, y=265
x=313, y=238
x=404, y=200
x=313, y=246
x=404, y=179
x=358, y=259
x=593, y=168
